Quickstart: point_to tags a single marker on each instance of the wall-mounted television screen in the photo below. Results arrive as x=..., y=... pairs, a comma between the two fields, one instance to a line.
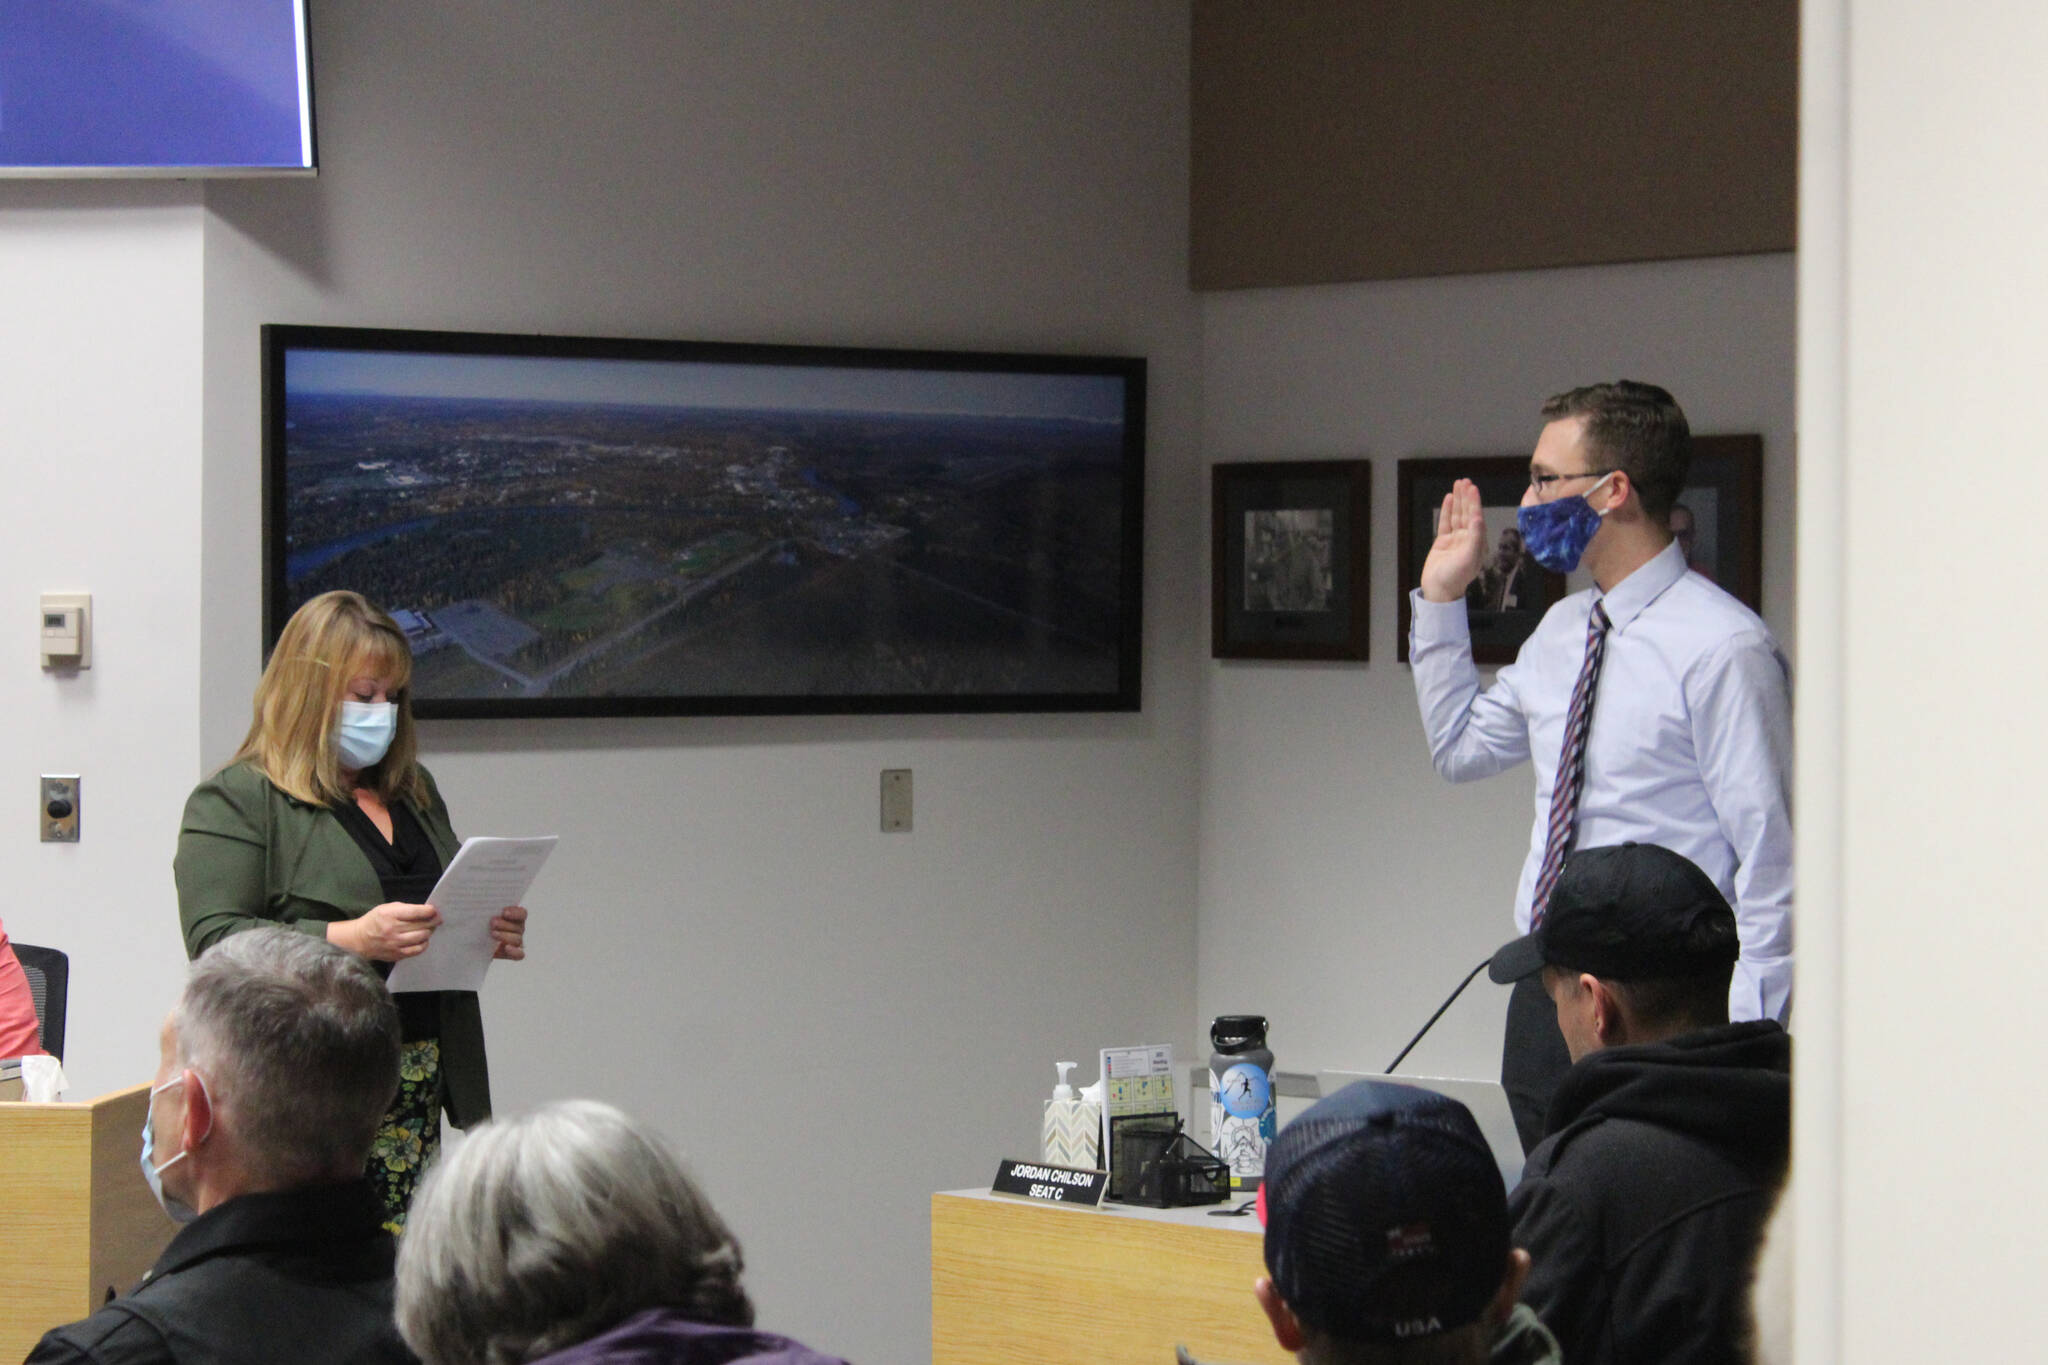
x=592, y=526
x=155, y=87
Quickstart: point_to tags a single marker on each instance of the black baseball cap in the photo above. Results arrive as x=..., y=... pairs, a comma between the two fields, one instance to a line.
x=1631, y=912
x=1386, y=1219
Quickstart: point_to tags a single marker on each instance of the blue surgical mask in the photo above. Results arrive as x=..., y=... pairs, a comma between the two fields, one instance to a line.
x=363, y=735
x=1557, y=533
x=178, y=1209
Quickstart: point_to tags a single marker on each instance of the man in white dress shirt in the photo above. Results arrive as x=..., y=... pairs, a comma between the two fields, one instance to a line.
x=1688, y=743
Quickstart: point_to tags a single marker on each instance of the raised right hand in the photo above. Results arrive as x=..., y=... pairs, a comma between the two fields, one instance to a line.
x=1459, y=551
x=389, y=932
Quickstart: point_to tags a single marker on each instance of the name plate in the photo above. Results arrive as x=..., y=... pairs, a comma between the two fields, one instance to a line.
x=1051, y=1184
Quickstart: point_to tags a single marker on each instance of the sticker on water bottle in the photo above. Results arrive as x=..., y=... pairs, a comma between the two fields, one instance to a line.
x=1244, y=1091
x=1241, y=1119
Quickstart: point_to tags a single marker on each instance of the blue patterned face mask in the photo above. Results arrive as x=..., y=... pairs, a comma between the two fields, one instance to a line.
x=1557, y=533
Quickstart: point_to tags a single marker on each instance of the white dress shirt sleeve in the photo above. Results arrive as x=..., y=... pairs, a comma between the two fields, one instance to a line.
x=1740, y=700
x=1472, y=734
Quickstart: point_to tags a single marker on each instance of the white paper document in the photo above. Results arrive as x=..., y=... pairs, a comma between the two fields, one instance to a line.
x=485, y=876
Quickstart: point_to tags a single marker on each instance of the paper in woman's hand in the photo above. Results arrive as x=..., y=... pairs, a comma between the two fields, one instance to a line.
x=485, y=876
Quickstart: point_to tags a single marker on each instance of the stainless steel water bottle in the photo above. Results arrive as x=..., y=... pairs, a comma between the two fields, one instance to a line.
x=1241, y=1096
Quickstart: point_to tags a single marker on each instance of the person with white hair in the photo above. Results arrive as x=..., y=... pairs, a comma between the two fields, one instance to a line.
x=573, y=1236
x=277, y=1065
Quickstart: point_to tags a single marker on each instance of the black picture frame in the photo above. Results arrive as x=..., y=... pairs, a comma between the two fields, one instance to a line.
x=1291, y=551
x=1724, y=495
x=740, y=530
x=1502, y=611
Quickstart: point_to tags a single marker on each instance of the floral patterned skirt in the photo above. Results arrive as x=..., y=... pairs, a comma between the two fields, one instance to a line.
x=410, y=1136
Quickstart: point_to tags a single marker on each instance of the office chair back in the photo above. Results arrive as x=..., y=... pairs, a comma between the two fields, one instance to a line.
x=49, y=981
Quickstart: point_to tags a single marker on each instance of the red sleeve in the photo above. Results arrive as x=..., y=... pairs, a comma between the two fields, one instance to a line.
x=19, y=1036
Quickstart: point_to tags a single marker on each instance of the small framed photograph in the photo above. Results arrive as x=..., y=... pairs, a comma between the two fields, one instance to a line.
x=1290, y=552
x=1508, y=599
x=1719, y=516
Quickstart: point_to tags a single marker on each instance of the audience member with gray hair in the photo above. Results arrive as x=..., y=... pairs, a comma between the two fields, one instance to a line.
x=573, y=1236
x=277, y=1064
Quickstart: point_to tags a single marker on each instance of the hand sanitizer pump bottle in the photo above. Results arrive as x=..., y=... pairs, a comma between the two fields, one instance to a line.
x=1071, y=1125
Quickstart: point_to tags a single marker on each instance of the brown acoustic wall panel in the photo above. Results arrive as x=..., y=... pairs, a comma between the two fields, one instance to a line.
x=1379, y=139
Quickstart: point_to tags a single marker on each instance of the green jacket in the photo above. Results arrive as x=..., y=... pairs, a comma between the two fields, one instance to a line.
x=249, y=854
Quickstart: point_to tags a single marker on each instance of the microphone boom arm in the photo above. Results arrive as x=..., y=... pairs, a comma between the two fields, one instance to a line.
x=1402, y=1056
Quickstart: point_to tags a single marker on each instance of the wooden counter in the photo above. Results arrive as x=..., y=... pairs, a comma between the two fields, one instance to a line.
x=1025, y=1282
x=80, y=1218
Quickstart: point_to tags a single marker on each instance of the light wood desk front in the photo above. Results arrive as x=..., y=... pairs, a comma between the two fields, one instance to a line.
x=79, y=1219
x=1025, y=1282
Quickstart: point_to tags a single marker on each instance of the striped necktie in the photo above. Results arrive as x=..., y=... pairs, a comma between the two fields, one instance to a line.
x=1571, y=765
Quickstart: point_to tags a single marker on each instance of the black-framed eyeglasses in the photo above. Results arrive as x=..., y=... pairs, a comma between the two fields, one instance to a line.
x=1541, y=482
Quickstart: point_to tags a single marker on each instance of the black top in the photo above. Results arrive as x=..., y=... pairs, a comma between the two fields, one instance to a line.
x=301, y=1275
x=1643, y=1208
x=407, y=868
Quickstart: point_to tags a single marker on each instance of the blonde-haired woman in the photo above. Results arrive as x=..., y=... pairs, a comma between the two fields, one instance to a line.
x=324, y=820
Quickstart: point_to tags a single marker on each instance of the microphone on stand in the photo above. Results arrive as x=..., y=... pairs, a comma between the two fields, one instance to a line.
x=1402, y=1055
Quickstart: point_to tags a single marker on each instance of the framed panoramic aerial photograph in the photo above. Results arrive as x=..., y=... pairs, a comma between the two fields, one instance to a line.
x=598, y=526
x=1508, y=599
x=1290, y=550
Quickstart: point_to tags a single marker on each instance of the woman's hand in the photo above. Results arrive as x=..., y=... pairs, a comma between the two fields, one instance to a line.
x=390, y=932
x=508, y=926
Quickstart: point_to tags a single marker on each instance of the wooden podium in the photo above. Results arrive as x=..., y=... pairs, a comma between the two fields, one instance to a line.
x=1019, y=1282
x=78, y=1221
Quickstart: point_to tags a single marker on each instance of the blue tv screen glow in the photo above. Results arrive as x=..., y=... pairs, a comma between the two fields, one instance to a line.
x=167, y=87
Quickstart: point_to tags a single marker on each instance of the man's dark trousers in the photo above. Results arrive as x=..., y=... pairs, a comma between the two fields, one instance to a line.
x=1533, y=1058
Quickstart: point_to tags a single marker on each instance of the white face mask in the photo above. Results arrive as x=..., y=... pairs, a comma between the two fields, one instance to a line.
x=178, y=1209
x=363, y=734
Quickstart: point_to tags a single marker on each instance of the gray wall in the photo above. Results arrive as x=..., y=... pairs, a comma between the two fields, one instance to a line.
x=100, y=438
x=832, y=1021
